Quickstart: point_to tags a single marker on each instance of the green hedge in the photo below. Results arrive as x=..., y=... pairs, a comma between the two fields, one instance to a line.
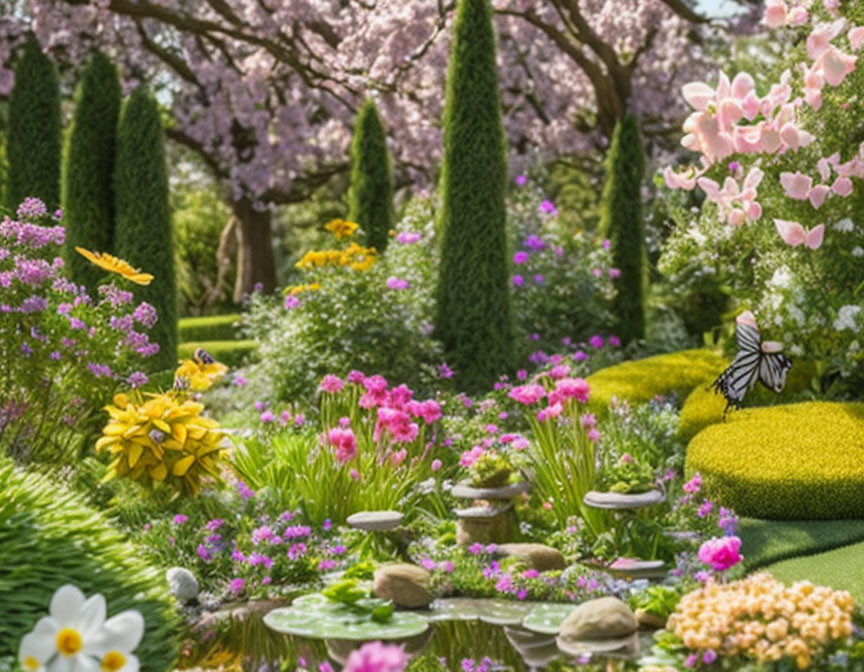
x=211, y=328
x=794, y=462
x=641, y=380
x=230, y=353
x=705, y=407
x=48, y=538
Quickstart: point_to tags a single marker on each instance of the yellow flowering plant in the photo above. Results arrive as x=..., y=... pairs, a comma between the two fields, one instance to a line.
x=163, y=439
x=759, y=621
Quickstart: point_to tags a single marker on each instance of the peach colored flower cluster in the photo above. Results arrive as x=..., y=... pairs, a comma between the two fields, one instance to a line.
x=761, y=619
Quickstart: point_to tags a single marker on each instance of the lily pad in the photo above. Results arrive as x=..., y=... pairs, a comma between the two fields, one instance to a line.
x=494, y=612
x=546, y=618
x=316, y=617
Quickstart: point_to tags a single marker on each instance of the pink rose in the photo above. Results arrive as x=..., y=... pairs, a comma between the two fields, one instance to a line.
x=721, y=553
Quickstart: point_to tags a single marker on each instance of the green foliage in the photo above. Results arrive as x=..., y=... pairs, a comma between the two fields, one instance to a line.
x=704, y=406
x=641, y=380
x=770, y=541
x=371, y=181
x=34, y=143
x=474, y=320
x=200, y=215
x=88, y=169
x=230, y=353
x=658, y=600
x=622, y=222
x=491, y=470
x=352, y=322
x=144, y=235
x=48, y=538
x=210, y=328
x=800, y=461
x=841, y=568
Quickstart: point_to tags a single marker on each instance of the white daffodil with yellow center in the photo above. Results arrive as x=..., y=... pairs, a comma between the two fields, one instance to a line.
x=75, y=637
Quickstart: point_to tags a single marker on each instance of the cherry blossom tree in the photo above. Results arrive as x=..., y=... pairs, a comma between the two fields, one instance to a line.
x=266, y=92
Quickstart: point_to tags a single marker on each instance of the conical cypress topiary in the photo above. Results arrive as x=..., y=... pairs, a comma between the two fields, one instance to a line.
x=371, y=181
x=144, y=232
x=474, y=319
x=88, y=168
x=623, y=224
x=34, y=143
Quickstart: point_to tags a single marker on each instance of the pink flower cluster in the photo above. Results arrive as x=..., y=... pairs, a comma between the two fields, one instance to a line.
x=377, y=657
x=721, y=553
x=344, y=443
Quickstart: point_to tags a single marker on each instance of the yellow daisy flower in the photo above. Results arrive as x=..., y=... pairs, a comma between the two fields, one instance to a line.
x=115, y=265
x=341, y=228
x=200, y=372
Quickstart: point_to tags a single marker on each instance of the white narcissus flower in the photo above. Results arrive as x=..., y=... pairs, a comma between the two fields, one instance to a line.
x=75, y=637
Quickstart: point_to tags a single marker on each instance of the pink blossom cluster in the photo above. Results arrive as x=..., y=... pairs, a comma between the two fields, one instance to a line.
x=721, y=553
x=344, y=443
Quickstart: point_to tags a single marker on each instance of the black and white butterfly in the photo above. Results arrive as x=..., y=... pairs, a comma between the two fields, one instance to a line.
x=755, y=361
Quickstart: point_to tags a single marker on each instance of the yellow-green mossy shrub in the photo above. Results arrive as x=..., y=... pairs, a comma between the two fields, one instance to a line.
x=793, y=462
x=705, y=407
x=641, y=380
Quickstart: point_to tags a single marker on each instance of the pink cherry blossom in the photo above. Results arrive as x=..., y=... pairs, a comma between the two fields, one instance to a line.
x=794, y=234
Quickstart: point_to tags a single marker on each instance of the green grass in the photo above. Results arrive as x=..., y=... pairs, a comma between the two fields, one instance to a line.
x=210, y=328
x=841, y=569
x=641, y=380
x=770, y=541
x=793, y=462
x=230, y=353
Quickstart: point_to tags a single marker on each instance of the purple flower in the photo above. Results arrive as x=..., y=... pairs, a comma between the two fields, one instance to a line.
x=580, y=356
x=137, y=379
x=614, y=273
x=260, y=534
x=146, y=315
x=180, y=518
x=444, y=371
x=203, y=553
x=692, y=660
x=99, y=370
x=328, y=525
x=709, y=656
x=397, y=283
x=534, y=242
x=538, y=279
x=520, y=257
x=244, y=491
x=408, y=237
x=26, y=350
x=291, y=302
x=521, y=180
x=428, y=564
x=518, y=280
x=705, y=509
x=237, y=555
x=236, y=585
x=267, y=416
x=547, y=207
x=614, y=342
x=297, y=551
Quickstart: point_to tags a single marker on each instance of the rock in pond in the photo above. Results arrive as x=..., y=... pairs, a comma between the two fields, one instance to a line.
x=407, y=585
x=535, y=556
x=604, y=624
x=182, y=583
x=375, y=521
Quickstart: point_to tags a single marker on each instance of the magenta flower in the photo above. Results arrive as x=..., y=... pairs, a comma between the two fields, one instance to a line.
x=267, y=417
x=518, y=280
x=444, y=371
x=397, y=283
x=580, y=356
x=377, y=657
x=528, y=394
x=596, y=341
x=538, y=279
x=521, y=180
x=408, y=238
x=180, y=518
x=520, y=257
x=436, y=464
x=236, y=585
x=614, y=342
x=344, y=443
x=547, y=207
x=721, y=553
x=469, y=457
x=331, y=384
x=572, y=388
x=614, y=273
x=694, y=485
x=291, y=302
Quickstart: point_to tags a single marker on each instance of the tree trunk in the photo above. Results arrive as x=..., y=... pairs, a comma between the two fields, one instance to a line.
x=256, y=265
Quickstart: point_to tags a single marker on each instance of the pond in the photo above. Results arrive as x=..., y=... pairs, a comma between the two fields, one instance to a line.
x=238, y=638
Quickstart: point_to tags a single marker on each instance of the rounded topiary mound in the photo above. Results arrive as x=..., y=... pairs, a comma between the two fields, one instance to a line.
x=705, y=407
x=794, y=462
x=641, y=380
x=48, y=538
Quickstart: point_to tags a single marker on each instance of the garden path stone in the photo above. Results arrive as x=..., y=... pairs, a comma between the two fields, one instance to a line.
x=535, y=556
x=604, y=624
x=182, y=584
x=375, y=521
x=621, y=501
x=465, y=490
x=407, y=585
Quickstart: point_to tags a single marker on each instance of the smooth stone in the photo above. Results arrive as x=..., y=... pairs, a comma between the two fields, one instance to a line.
x=535, y=556
x=481, y=512
x=182, y=584
x=617, y=500
x=648, y=620
x=482, y=528
x=375, y=521
x=407, y=585
x=637, y=569
x=465, y=490
x=604, y=624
